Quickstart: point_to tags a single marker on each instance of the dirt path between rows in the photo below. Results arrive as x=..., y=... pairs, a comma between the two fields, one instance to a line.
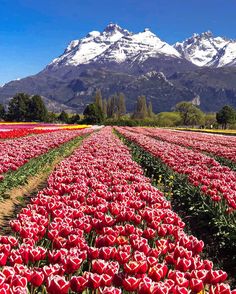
x=19, y=197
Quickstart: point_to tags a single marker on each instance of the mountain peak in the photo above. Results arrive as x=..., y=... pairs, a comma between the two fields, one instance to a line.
x=207, y=34
x=148, y=32
x=196, y=36
x=200, y=49
x=111, y=27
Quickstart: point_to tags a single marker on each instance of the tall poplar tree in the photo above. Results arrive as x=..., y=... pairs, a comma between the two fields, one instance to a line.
x=111, y=106
x=141, y=108
x=98, y=98
x=121, y=107
x=104, y=107
x=150, y=112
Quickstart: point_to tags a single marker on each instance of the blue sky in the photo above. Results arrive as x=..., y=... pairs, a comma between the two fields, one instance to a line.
x=32, y=32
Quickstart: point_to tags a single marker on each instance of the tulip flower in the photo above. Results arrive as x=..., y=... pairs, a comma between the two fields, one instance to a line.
x=37, y=278
x=57, y=285
x=131, y=283
x=78, y=283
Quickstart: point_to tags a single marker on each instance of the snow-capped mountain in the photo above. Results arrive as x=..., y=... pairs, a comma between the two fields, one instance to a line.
x=137, y=48
x=201, y=49
x=116, y=45
x=200, y=69
x=84, y=50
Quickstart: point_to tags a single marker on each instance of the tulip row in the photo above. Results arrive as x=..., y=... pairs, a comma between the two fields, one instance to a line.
x=101, y=227
x=216, y=181
x=221, y=146
x=17, y=133
x=16, y=152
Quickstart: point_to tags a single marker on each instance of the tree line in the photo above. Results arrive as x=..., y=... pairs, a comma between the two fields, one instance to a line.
x=111, y=111
x=114, y=108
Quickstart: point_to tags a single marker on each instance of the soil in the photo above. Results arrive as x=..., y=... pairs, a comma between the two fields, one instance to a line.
x=19, y=197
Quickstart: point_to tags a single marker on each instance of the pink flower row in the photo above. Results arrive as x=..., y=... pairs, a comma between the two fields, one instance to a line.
x=100, y=225
x=16, y=152
x=222, y=146
x=215, y=180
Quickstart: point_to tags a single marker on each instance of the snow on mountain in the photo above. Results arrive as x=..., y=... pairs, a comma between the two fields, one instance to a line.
x=137, y=47
x=200, y=49
x=95, y=43
x=118, y=45
x=114, y=44
x=226, y=56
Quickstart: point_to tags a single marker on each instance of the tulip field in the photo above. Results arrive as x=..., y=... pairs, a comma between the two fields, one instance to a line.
x=15, y=153
x=216, y=181
x=16, y=130
x=102, y=224
x=221, y=146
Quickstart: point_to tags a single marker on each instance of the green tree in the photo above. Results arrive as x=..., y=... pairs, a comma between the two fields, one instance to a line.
x=141, y=108
x=75, y=119
x=210, y=120
x=225, y=116
x=190, y=114
x=149, y=110
x=120, y=105
x=52, y=117
x=111, y=106
x=18, y=108
x=37, y=109
x=2, y=112
x=63, y=117
x=98, y=98
x=169, y=119
x=104, y=107
x=93, y=114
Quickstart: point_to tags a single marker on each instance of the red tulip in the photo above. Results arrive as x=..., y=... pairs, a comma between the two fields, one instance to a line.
x=146, y=286
x=183, y=264
x=37, y=278
x=106, y=280
x=180, y=290
x=131, y=283
x=122, y=257
x=78, y=284
x=57, y=285
x=220, y=289
x=72, y=264
x=196, y=285
x=17, y=280
x=3, y=259
x=111, y=290
x=131, y=267
x=95, y=280
x=99, y=266
x=5, y=289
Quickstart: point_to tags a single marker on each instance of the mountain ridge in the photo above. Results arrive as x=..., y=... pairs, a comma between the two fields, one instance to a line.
x=117, y=60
